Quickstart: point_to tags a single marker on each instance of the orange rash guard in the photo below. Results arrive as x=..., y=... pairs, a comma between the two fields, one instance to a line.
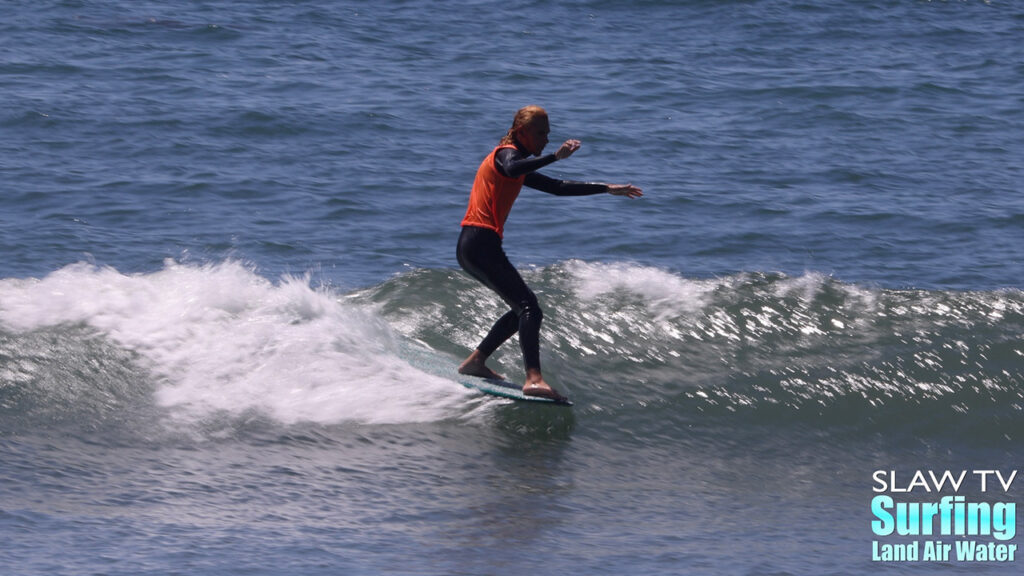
x=492, y=196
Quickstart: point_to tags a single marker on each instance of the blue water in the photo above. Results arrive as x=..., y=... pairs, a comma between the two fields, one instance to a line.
x=228, y=291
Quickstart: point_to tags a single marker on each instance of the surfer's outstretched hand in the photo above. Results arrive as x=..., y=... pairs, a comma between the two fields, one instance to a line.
x=567, y=149
x=627, y=190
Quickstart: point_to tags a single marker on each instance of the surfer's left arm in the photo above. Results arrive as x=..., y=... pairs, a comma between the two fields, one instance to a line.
x=557, y=187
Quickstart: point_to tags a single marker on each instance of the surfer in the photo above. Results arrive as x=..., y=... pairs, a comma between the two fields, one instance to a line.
x=500, y=177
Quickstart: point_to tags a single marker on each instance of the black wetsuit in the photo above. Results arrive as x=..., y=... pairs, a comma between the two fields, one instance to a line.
x=480, y=253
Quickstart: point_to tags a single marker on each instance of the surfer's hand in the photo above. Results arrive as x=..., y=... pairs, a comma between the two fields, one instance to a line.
x=627, y=190
x=567, y=149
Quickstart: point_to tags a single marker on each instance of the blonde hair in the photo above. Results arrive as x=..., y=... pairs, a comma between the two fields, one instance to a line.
x=524, y=117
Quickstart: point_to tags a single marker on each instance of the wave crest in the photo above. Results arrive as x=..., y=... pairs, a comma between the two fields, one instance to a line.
x=220, y=339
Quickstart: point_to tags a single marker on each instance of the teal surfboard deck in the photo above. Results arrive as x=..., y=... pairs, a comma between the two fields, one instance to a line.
x=506, y=389
x=438, y=364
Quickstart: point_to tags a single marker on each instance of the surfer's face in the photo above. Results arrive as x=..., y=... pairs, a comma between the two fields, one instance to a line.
x=534, y=136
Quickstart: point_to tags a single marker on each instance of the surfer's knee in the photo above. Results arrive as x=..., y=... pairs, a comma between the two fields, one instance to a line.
x=529, y=309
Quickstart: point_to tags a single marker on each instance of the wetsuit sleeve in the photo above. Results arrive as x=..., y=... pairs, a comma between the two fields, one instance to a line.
x=550, y=185
x=513, y=163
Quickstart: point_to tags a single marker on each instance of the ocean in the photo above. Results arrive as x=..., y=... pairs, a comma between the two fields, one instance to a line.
x=230, y=310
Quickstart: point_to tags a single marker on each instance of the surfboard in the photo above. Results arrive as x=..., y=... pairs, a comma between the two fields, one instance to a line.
x=505, y=389
x=421, y=357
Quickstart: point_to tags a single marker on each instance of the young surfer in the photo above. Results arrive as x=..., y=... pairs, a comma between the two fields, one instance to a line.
x=500, y=177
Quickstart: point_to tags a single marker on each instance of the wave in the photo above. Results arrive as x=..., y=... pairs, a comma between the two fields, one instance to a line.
x=669, y=351
x=641, y=348
x=203, y=341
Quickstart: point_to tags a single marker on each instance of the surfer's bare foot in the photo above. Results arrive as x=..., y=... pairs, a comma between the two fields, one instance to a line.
x=476, y=365
x=536, y=386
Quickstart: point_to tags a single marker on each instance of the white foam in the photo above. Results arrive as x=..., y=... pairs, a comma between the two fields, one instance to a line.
x=223, y=338
x=667, y=294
